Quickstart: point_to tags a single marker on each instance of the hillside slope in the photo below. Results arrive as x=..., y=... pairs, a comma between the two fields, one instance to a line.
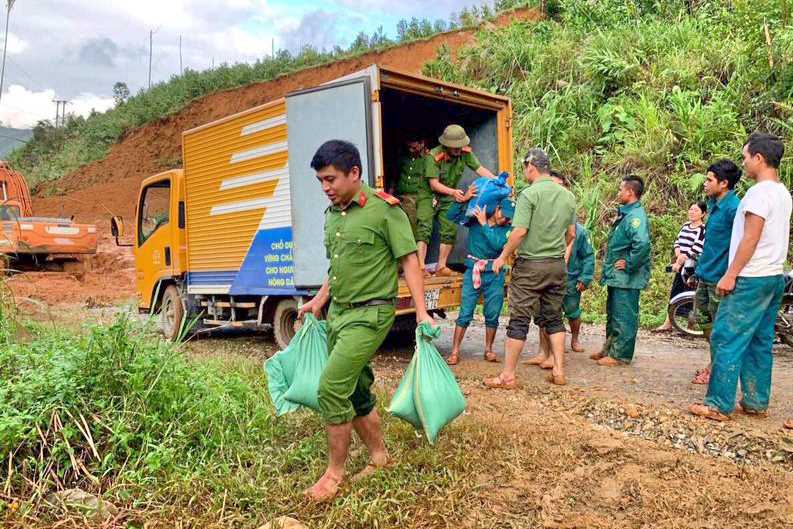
x=111, y=184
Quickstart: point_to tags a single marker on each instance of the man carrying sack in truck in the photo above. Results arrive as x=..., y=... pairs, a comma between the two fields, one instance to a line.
x=444, y=169
x=366, y=236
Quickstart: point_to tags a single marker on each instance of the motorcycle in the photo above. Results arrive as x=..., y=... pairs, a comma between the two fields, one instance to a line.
x=684, y=318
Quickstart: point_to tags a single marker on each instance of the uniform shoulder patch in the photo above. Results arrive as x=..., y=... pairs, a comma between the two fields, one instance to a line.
x=390, y=199
x=467, y=150
x=636, y=222
x=440, y=157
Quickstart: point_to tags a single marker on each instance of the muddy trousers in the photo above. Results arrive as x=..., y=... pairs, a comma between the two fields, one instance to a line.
x=742, y=342
x=622, y=323
x=354, y=336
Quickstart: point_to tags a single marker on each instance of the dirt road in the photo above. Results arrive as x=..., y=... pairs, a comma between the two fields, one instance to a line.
x=613, y=449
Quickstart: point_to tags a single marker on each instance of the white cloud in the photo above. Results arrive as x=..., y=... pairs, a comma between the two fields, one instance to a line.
x=15, y=44
x=23, y=108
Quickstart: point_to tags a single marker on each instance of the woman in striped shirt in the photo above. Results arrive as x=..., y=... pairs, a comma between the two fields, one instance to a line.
x=688, y=246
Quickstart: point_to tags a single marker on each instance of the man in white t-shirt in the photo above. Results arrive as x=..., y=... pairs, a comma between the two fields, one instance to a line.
x=743, y=333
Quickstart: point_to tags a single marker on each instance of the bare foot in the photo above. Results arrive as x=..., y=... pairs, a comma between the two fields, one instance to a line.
x=490, y=356
x=788, y=424
x=558, y=380
x=535, y=360
x=453, y=359
x=547, y=364
x=576, y=347
x=596, y=356
x=371, y=468
x=325, y=489
x=607, y=361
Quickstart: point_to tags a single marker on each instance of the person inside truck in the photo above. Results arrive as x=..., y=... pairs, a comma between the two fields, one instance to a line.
x=445, y=165
x=410, y=178
x=487, y=234
x=366, y=236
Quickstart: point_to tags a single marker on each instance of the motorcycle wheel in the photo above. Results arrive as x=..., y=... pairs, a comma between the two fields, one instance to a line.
x=683, y=317
x=784, y=323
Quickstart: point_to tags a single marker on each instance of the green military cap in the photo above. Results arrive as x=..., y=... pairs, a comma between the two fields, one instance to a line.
x=454, y=137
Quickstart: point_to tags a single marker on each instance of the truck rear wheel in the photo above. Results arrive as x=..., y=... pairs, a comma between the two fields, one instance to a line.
x=284, y=321
x=171, y=313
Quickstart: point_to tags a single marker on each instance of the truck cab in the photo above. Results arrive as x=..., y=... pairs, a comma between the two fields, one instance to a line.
x=235, y=238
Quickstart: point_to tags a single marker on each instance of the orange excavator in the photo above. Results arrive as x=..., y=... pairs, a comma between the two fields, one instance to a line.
x=35, y=243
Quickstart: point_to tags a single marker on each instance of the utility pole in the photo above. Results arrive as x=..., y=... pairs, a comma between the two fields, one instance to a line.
x=9, y=5
x=181, y=67
x=151, y=42
x=60, y=115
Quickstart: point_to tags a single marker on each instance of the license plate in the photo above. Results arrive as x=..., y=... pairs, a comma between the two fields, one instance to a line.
x=431, y=298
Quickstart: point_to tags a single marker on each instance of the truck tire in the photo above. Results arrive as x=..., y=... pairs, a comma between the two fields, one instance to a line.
x=284, y=321
x=171, y=313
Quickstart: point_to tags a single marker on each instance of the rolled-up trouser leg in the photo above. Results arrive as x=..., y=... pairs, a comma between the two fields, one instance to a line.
x=409, y=205
x=425, y=217
x=468, y=301
x=624, y=323
x=354, y=335
x=752, y=304
x=448, y=229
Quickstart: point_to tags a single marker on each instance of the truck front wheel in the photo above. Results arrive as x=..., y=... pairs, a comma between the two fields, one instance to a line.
x=171, y=313
x=284, y=321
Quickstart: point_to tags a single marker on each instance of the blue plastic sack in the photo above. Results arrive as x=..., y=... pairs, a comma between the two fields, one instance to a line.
x=293, y=374
x=428, y=397
x=489, y=192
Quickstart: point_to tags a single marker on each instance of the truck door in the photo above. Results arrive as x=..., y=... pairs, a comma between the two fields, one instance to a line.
x=153, y=244
x=337, y=111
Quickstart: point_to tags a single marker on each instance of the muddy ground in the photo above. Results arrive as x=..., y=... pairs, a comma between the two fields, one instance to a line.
x=613, y=449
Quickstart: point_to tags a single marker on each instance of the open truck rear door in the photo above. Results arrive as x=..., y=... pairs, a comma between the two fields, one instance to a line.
x=340, y=111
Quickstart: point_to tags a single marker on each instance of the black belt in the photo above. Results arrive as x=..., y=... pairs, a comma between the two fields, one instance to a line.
x=370, y=303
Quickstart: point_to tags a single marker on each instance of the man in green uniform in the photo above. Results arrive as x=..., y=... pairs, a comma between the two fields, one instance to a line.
x=366, y=236
x=626, y=271
x=542, y=229
x=444, y=169
x=410, y=177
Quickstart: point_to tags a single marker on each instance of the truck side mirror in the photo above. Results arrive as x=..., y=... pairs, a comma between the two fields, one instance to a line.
x=117, y=229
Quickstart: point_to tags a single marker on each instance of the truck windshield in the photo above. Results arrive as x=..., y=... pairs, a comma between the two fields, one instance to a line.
x=9, y=212
x=154, y=208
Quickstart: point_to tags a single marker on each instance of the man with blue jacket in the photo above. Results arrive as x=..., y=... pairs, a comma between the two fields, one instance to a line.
x=626, y=271
x=722, y=204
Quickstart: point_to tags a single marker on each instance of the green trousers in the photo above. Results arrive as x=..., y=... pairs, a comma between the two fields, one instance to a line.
x=425, y=218
x=354, y=336
x=409, y=204
x=622, y=323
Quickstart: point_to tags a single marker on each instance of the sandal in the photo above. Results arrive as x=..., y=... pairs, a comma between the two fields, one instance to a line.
x=370, y=469
x=498, y=383
x=788, y=424
x=453, y=359
x=701, y=410
x=702, y=377
x=762, y=414
x=490, y=356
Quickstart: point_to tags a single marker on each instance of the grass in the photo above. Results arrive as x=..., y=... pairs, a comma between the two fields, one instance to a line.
x=656, y=88
x=119, y=413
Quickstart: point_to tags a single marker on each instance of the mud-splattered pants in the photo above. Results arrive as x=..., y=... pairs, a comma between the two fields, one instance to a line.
x=741, y=344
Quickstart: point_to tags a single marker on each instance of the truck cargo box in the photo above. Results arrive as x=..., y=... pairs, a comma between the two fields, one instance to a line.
x=254, y=210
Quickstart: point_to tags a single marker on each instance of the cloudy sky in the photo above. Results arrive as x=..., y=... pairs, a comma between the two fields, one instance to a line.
x=77, y=49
